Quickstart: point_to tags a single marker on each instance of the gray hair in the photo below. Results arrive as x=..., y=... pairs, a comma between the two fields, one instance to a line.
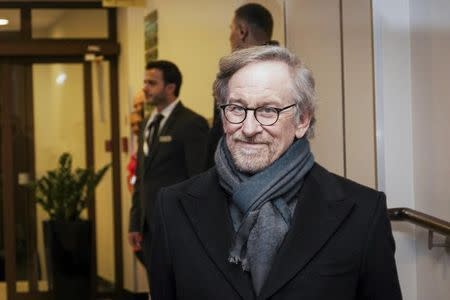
x=303, y=92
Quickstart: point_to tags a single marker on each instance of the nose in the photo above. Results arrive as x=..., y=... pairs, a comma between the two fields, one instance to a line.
x=251, y=126
x=146, y=91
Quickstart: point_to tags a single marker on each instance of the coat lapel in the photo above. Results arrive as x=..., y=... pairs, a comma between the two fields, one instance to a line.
x=321, y=208
x=207, y=210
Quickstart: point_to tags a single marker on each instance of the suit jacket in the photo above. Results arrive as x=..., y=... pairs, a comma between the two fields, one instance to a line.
x=178, y=154
x=339, y=246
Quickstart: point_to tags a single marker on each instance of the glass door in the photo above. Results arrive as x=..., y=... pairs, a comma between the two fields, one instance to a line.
x=48, y=109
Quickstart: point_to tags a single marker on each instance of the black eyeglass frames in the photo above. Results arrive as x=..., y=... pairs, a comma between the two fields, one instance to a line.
x=265, y=115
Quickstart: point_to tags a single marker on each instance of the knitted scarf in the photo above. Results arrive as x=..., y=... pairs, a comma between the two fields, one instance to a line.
x=262, y=205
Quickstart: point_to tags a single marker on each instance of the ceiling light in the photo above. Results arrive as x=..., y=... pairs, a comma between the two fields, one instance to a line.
x=4, y=22
x=61, y=78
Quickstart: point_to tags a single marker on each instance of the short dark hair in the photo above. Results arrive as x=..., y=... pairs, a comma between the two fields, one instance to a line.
x=170, y=72
x=258, y=16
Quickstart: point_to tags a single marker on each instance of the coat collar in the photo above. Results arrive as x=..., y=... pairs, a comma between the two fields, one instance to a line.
x=207, y=209
x=321, y=208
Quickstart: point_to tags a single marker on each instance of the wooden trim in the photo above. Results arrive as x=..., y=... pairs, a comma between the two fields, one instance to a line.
x=117, y=192
x=374, y=105
x=90, y=163
x=52, y=4
x=32, y=230
x=112, y=24
x=10, y=35
x=8, y=182
x=89, y=127
x=33, y=296
x=344, y=132
x=25, y=23
x=63, y=47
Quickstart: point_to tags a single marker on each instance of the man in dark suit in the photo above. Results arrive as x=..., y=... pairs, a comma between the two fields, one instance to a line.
x=172, y=148
x=268, y=222
x=252, y=25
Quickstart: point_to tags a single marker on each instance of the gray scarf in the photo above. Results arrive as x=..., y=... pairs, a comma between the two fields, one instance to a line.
x=262, y=205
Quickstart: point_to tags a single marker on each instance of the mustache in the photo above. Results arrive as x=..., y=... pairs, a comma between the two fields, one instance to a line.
x=250, y=140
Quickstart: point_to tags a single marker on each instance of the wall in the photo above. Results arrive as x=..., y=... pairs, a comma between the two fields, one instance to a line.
x=394, y=135
x=333, y=38
x=194, y=35
x=131, y=70
x=411, y=46
x=430, y=104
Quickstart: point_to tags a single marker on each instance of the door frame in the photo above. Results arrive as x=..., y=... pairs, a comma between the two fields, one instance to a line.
x=22, y=49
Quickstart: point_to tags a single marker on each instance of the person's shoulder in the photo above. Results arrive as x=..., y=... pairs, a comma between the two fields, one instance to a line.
x=361, y=194
x=192, y=186
x=191, y=115
x=320, y=173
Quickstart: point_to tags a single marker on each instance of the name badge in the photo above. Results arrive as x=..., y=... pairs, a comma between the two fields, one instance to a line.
x=165, y=138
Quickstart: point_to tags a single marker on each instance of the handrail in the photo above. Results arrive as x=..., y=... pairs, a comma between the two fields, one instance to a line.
x=419, y=218
x=433, y=224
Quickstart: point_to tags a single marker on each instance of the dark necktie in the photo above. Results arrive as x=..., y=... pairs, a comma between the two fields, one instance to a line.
x=153, y=130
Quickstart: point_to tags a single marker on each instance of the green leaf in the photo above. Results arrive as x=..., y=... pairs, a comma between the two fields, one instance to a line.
x=64, y=193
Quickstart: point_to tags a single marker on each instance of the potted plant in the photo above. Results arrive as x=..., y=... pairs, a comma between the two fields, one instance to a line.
x=64, y=193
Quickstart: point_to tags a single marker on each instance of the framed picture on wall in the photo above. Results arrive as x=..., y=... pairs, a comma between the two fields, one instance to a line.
x=151, y=36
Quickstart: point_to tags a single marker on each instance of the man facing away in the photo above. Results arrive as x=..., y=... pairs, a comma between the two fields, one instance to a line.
x=252, y=25
x=172, y=148
x=268, y=222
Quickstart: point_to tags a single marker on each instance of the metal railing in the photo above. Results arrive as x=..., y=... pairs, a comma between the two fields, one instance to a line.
x=431, y=223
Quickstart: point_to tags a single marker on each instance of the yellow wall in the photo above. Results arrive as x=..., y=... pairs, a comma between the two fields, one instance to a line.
x=194, y=35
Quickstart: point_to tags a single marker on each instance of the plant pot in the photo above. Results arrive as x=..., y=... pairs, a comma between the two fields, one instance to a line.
x=68, y=255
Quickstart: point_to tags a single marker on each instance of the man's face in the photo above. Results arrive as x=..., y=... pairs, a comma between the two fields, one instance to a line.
x=135, y=122
x=235, y=35
x=155, y=88
x=138, y=101
x=254, y=147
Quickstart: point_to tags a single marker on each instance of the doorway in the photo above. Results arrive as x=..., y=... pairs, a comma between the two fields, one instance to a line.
x=58, y=93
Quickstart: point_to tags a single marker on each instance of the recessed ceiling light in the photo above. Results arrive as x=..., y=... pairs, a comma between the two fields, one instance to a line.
x=4, y=22
x=61, y=78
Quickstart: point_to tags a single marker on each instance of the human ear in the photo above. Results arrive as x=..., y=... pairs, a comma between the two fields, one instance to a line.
x=243, y=31
x=302, y=126
x=170, y=88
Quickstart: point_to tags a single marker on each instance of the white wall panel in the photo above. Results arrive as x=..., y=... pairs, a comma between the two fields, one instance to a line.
x=430, y=61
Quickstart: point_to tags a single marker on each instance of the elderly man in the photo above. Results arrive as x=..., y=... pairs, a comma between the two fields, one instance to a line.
x=268, y=222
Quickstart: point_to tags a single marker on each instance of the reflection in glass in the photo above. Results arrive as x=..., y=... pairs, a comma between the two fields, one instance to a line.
x=69, y=23
x=58, y=127
x=13, y=17
x=103, y=196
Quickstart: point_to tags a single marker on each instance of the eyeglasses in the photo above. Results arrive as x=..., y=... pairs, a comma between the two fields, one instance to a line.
x=265, y=115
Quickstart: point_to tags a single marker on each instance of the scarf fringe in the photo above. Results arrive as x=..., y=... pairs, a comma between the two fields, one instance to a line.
x=237, y=260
